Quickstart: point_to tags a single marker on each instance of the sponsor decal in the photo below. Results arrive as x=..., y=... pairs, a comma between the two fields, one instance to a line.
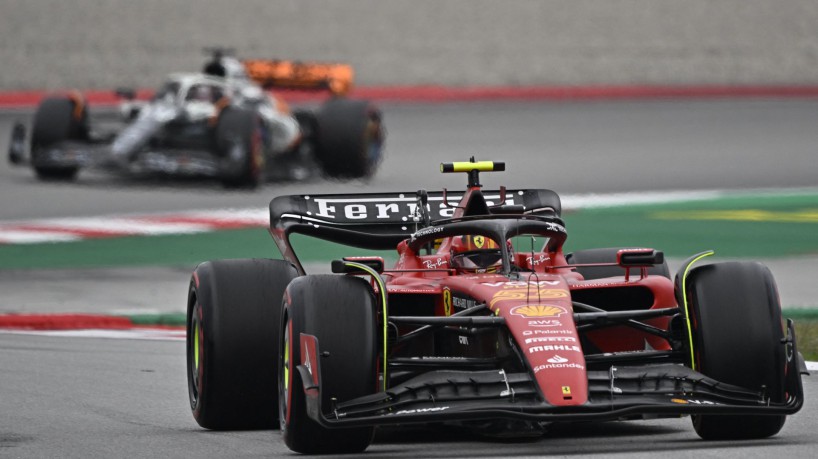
x=538, y=310
x=436, y=264
x=463, y=303
x=551, y=339
x=554, y=347
x=463, y=340
x=398, y=288
x=394, y=207
x=307, y=362
x=478, y=241
x=602, y=284
x=527, y=293
x=447, y=301
x=537, y=260
x=544, y=323
x=557, y=359
x=546, y=332
x=422, y=410
x=566, y=390
x=440, y=357
x=427, y=231
x=558, y=366
x=517, y=284
x=688, y=401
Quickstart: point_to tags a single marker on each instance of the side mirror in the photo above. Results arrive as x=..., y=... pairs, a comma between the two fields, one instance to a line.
x=639, y=258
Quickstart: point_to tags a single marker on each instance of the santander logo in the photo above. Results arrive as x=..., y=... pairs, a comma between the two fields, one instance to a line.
x=557, y=359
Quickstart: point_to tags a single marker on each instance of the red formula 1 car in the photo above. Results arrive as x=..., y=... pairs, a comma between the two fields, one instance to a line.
x=483, y=321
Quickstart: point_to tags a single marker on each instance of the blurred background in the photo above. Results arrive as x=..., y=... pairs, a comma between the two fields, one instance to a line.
x=678, y=125
x=107, y=43
x=610, y=103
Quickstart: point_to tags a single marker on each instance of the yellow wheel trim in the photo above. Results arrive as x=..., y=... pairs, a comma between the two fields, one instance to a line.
x=196, y=341
x=286, y=359
x=687, y=308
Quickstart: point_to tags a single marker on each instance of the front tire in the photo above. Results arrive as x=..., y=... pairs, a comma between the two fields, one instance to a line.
x=350, y=138
x=737, y=335
x=57, y=119
x=234, y=308
x=340, y=312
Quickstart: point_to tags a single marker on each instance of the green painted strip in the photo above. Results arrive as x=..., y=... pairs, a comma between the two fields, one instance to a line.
x=807, y=314
x=748, y=226
x=774, y=234
x=164, y=319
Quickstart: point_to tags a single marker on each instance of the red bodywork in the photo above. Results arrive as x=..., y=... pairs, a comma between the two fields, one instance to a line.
x=538, y=310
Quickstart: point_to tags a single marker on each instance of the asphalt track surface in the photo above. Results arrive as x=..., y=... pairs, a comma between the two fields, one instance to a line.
x=84, y=397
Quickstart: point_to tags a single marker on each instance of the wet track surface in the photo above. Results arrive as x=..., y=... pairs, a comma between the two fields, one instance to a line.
x=83, y=397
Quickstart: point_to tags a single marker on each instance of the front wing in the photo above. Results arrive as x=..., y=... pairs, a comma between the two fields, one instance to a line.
x=625, y=392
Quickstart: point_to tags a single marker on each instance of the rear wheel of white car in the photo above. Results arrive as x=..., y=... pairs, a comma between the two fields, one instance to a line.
x=234, y=308
x=606, y=255
x=340, y=312
x=239, y=148
x=57, y=119
x=737, y=339
x=350, y=138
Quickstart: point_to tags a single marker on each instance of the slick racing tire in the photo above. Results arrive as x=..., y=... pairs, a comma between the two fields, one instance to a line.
x=737, y=339
x=57, y=119
x=340, y=312
x=240, y=148
x=233, y=313
x=350, y=138
x=607, y=255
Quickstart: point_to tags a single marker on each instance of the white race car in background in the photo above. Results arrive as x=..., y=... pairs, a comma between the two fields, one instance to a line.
x=219, y=123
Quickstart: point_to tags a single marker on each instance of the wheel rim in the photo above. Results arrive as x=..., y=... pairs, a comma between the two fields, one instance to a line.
x=195, y=354
x=284, y=374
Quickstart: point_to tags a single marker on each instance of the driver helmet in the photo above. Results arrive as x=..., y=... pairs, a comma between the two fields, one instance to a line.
x=201, y=93
x=476, y=254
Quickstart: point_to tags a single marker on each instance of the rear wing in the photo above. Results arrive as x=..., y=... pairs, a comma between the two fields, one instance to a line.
x=337, y=78
x=380, y=221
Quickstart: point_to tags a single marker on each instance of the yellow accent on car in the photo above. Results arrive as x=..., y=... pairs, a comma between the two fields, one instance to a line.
x=447, y=302
x=566, y=390
x=687, y=309
x=465, y=166
x=382, y=287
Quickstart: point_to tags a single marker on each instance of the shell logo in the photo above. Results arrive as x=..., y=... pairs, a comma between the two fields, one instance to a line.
x=527, y=294
x=539, y=310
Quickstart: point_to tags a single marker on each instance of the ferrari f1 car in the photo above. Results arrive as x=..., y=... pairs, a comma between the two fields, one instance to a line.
x=218, y=123
x=484, y=321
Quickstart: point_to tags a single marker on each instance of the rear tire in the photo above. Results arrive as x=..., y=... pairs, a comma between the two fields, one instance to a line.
x=55, y=121
x=234, y=308
x=607, y=255
x=340, y=312
x=239, y=148
x=350, y=138
x=737, y=333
